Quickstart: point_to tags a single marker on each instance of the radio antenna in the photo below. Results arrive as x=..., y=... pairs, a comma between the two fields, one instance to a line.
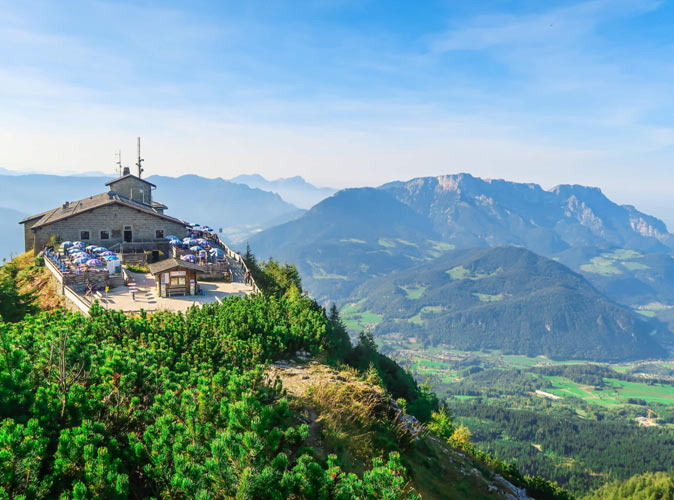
x=118, y=154
x=140, y=160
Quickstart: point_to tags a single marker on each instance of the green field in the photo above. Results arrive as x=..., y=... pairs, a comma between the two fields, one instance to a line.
x=485, y=297
x=357, y=320
x=606, y=264
x=461, y=273
x=414, y=292
x=616, y=392
x=318, y=273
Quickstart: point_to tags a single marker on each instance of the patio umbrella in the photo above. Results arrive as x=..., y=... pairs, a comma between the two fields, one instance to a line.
x=196, y=248
x=67, y=245
x=89, y=248
x=100, y=249
x=94, y=262
x=203, y=242
x=80, y=244
x=175, y=242
x=171, y=237
x=80, y=255
x=189, y=258
x=106, y=253
x=80, y=260
x=110, y=257
x=216, y=252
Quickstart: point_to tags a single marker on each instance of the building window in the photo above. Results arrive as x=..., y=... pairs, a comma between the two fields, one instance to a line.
x=178, y=281
x=105, y=235
x=159, y=233
x=84, y=235
x=116, y=233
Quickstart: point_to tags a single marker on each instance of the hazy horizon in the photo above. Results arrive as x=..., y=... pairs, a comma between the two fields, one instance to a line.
x=347, y=93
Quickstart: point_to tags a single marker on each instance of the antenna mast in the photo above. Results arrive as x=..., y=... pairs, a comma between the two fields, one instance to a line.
x=140, y=160
x=119, y=161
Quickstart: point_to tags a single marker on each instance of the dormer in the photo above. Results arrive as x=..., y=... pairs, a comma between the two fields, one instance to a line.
x=132, y=187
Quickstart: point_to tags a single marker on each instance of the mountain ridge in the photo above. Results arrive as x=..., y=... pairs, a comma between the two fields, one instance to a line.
x=506, y=298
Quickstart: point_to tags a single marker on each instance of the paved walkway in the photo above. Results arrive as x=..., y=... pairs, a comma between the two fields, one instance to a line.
x=146, y=297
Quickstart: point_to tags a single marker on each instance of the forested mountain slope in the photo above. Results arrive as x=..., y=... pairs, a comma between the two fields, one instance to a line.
x=505, y=298
x=349, y=237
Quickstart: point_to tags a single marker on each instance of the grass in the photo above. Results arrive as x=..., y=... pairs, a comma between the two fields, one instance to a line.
x=137, y=269
x=318, y=273
x=622, y=254
x=418, y=320
x=355, y=319
x=458, y=273
x=414, y=292
x=606, y=263
x=461, y=273
x=634, y=266
x=616, y=393
x=485, y=297
x=600, y=265
x=385, y=242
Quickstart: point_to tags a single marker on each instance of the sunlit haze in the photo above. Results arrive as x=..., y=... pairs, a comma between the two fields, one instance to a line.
x=346, y=93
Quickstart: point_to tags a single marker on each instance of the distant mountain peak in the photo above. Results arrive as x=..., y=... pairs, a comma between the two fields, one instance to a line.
x=295, y=190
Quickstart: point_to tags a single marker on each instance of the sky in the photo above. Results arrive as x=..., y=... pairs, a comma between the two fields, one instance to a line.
x=345, y=92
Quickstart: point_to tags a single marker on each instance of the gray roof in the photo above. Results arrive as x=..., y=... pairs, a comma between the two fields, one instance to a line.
x=165, y=265
x=73, y=208
x=113, y=181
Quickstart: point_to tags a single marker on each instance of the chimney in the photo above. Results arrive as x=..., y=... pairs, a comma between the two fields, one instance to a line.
x=126, y=171
x=66, y=204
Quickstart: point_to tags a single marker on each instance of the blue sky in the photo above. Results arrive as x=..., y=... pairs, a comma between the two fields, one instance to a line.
x=347, y=92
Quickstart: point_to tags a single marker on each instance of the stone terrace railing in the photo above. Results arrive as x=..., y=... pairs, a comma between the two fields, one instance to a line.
x=238, y=258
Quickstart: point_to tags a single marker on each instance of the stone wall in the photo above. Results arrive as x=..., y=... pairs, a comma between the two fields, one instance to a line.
x=111, y=218
x=79, y=282
x=131, y=188
x=28, y=236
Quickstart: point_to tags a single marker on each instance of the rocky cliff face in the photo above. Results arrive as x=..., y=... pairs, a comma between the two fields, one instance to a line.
x=468, y=210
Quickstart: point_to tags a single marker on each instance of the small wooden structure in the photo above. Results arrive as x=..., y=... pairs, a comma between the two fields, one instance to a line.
x=175, y=277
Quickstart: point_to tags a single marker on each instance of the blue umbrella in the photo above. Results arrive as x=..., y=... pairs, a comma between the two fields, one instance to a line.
x=106, y=253
x=203, y=242
x=80, y=244
x=80, y=260
x=189, y=258
x=110, y=257
x=100, y=249
x=196, y=248
x=216, y=252
x=94, y=262
x=175, y=242
x=89, y=248
x=67, y=245
x=171, y=237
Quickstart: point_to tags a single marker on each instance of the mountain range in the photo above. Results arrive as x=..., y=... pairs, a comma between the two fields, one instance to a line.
x=469, y=211
x=350, y=237
x=505, y=298
x=294, y=190
x=576, y=225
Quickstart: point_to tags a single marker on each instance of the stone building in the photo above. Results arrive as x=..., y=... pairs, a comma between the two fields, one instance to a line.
x=124, y=217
